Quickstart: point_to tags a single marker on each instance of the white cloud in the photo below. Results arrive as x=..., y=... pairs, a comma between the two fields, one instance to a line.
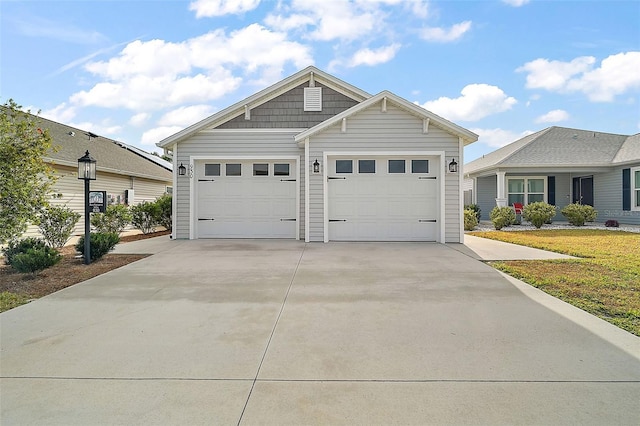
x=139, y=119
x=477, y=101
x=442, y=35
x=36, y=26
x=554, y=116
x=158, y=74
x=516, y=3
x=374, y=56
x=155, y=135
x=497, y=138
x=616, y=75
x=209, y=8
x=186, y=116
x=62, y=113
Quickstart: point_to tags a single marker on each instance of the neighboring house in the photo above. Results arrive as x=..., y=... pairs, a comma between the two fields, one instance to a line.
x=128, y=175
x=561, y=166
x=315, y=158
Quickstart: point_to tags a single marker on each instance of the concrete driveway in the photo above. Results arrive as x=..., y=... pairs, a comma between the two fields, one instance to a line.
x=283, y=332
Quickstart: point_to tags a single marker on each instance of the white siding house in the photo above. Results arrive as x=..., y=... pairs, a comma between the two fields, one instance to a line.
x=317, y=159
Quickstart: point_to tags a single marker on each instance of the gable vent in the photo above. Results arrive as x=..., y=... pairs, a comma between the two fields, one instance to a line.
x=313, y=98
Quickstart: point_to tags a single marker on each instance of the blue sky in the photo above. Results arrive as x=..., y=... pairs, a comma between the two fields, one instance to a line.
x=138, y=71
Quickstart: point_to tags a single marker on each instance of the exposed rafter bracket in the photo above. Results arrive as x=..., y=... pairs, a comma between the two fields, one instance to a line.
x=344, y=125
x=247, y=112
x=425, y=126
x=312, y=81
x=384, y=104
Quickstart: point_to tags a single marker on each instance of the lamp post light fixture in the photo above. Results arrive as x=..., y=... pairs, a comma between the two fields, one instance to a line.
x=87, y=172
x=453, y=166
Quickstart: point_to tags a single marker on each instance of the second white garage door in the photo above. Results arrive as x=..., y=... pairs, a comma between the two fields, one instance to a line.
x=246, y=199
x=383, y=198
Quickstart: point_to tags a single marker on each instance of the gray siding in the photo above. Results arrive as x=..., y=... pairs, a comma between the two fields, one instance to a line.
x=607, y=193
x=287, y=111
x=231, y=144
x=394, y=130
x=487, y=193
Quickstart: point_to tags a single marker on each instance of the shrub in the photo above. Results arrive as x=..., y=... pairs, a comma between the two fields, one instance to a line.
x=612, y=223
x=56, y=224
x=35, y=259
x=538, y=213
x=100, y=243
x=470, y=219
x=114, y=219
x=502, y=216
x=144, y=216
x=164, y=211
x=21, y=246
x=476, y=209
x=578, y=214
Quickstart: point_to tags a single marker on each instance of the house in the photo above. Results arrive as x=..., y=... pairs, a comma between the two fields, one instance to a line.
x=317, y=159
x=128, y=174
x=560, y=166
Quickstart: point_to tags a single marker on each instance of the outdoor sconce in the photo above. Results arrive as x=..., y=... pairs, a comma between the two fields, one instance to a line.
x=182, y=170
x=87, y=172
x=316, y=166
x=453, y=166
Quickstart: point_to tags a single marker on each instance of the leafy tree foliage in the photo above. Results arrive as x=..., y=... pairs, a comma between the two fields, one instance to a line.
x=25, y=179
x=56, y=225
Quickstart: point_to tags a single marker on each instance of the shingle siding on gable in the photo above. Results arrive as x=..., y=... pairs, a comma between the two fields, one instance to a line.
x=287, y=111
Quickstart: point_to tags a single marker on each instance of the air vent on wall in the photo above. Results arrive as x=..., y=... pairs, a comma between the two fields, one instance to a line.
x=313, y=98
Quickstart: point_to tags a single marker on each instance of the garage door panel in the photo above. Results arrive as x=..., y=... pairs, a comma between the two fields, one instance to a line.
x=384, y=206
x=247, y=206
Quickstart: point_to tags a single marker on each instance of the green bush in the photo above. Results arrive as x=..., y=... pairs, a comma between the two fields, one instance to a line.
x=144, y=216
x=114, y=219
x=56, y=225
x=502, y=216
x=578, y=214
x=538, y=213
x=100, y=243
x=164, y=211
x=470, y=220
x=21, y=246
x=476, y=209
x=35, y=259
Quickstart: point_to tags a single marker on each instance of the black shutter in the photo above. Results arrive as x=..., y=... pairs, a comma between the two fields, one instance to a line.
x=626, y=189
x=551, y=185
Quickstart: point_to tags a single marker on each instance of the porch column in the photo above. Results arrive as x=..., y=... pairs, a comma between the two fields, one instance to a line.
x=501, y=199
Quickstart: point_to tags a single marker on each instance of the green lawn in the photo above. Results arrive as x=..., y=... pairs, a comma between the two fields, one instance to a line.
x=605, y=281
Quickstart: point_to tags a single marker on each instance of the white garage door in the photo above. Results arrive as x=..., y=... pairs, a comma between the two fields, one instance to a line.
x=246, y=199
x=383, y=199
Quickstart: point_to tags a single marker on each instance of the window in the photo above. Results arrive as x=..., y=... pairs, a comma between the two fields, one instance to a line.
x=234, y=169
x=396, y=166
x=366, y=166
x=344, y=166
x=635, y=189
x=280, y=169
x=261, y=170
x=419, y=166
x=526, y=190
x=212, y=169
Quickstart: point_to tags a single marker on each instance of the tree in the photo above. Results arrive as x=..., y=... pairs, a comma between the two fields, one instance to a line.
x=25, y=179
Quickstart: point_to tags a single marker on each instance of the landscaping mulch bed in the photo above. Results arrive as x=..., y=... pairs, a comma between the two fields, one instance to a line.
x=69, y=271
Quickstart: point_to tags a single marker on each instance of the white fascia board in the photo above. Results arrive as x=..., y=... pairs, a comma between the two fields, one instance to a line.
x=266, y=95
x=414, y=109
x=547, y=168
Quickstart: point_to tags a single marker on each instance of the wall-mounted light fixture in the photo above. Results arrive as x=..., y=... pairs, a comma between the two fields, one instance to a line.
x=316, y=166
x=453, y=166
x=182, y=170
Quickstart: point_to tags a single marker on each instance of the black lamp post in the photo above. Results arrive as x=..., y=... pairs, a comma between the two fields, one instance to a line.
x=87, y=172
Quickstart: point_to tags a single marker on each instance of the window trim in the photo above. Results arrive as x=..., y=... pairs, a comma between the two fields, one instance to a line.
x=255, y=172
x=634, y=189
x=545, y=193
x=226, y=174
x=375, y=166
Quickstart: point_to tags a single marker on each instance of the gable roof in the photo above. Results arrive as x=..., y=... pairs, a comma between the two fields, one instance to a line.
x=111, y=156
x=264, y=96
x=560, y=147
x=412, y=108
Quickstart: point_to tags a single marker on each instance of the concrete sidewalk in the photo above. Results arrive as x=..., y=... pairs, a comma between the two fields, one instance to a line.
x=487, y=250
x=283, y=332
